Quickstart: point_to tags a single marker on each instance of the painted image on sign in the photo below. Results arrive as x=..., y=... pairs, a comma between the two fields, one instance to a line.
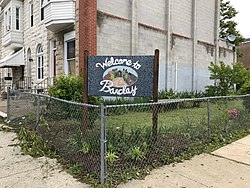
x=121, y=76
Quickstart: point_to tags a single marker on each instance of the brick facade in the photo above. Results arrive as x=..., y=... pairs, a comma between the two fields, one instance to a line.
x=245, y=50
x=87, y=36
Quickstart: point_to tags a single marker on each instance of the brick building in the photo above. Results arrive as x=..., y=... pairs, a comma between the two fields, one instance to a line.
x=245, y=50
x=51, y=36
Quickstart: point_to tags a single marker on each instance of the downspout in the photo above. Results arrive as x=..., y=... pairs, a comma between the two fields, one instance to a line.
x=194, y=42
x=216, y=30
x=168, y=41
x=176, y=77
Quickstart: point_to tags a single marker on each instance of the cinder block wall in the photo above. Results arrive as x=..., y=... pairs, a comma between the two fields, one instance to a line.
x=184, y=31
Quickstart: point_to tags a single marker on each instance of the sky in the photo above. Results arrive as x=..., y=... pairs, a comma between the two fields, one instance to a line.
x=243, y=16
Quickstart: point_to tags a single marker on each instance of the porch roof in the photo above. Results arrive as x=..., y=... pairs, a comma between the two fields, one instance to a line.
x=15, y=59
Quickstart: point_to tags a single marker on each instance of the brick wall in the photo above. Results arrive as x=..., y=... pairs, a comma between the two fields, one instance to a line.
x=245, y=49
x=87, y=29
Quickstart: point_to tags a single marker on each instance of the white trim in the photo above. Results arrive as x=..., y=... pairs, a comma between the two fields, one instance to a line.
x=52, y=48
x=29, y=63
x=19, y=18
x=40, y=55
x=67, y=37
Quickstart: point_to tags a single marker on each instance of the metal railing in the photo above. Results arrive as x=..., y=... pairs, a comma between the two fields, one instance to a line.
x=44, y=84
x=108, y=141
x=23, y=83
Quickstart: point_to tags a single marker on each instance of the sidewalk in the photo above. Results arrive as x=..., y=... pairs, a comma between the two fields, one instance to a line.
x=22, y=171
x=227, y=167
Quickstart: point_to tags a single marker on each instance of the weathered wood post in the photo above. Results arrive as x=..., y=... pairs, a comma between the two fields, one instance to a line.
x=85, y=92
x=155, y=94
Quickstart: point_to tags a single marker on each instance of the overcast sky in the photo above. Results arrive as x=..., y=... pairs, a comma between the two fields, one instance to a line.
x=243, y=16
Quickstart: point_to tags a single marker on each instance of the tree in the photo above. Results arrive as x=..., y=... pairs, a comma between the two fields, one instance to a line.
x=226, y=77
x=227, y=24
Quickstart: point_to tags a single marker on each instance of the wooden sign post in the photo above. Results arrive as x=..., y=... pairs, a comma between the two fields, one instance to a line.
x=155, y=94
x=85, y=92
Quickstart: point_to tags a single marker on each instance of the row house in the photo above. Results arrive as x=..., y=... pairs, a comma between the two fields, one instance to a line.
x=44, y=38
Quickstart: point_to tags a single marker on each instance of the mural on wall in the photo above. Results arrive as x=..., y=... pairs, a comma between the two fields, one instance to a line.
x=123, y=76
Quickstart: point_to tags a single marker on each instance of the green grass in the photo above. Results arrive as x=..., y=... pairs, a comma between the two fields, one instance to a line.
x=173, y=118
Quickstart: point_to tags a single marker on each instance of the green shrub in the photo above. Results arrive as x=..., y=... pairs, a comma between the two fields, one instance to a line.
x=229, y=78
x=70, y=88
x=245, y=89
x=171, y=94
x=67, y=88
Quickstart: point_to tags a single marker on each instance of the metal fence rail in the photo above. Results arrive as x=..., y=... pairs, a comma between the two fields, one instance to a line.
x=73, y=129
x=108, y=141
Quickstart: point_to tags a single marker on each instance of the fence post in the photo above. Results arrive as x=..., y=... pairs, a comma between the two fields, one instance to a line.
x=8, y=104
x=37, y=109
x=208, y=119
x=103, y=146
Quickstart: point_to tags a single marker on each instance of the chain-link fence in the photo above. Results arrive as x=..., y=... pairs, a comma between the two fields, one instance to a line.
x=72, y=129
x=109, y=142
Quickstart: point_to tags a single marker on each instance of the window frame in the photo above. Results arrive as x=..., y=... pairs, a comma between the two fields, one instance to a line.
x=40, y=62
x=43, y=3
x=7, y=20
x=31, y=13
x=68, y=37
x=17, y=18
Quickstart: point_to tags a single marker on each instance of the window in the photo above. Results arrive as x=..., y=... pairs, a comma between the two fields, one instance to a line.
x=17, y=18
x=69, y=53
x=43, y=4
x=42, y=9
x=7, y=20
x=31, y=14
x=40, y=63
x=71, y=57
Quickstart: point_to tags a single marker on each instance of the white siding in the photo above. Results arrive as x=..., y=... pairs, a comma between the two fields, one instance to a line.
x=59, y=11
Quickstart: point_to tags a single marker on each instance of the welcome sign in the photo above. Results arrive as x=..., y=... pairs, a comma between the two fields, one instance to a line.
x=120, y=76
